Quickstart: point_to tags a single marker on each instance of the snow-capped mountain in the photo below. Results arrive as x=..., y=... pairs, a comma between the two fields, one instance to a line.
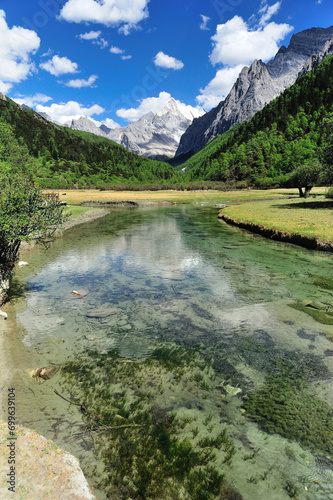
x=259, y=84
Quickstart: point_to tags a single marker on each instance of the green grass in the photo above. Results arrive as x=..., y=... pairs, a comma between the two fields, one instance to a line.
x=74, y=211
x=312, y=217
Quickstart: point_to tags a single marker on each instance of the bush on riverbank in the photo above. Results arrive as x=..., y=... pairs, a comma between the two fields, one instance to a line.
x=26, y=214
x=329, y=193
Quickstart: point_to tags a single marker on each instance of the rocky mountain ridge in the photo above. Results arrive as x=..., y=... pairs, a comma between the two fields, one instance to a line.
x=258, y=85
x=154, y=135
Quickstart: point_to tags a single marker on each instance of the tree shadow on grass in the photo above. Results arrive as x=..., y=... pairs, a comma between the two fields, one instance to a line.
x=313, y=205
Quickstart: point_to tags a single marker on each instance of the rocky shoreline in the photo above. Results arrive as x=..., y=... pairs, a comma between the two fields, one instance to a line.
x=274, y=234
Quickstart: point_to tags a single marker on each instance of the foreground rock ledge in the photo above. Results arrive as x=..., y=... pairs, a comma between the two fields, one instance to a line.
x=42, y=470
x=274, y=234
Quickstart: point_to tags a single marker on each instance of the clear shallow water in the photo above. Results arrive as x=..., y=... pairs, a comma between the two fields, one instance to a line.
x=179, y=275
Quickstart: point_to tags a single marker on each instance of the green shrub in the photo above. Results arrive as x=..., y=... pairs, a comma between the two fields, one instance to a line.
x=329, y=193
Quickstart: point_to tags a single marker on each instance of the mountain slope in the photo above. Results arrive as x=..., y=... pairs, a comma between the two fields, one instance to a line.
x=258, y=85
x=64, y=157
x=155, y=135
x=289, y=132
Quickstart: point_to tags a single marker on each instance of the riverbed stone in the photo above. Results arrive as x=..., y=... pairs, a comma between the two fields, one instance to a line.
x=103, y=313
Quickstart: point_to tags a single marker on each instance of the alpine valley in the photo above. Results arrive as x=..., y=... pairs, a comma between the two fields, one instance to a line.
x=276, y=120
x=175, y=356
x=178, y=131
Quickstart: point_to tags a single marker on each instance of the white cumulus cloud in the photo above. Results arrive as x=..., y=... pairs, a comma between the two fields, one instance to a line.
x=32, y=100
x=155, y=105
x=127, y=13
x=164, y=61
x=17, y=45
x=116, y=50
x=218, y=88
x=80, y=83
x=91, y=35
x=59, y=66
x=204, y=22
x=267, y=12
x=108, y=123
x=235, y=43
x=95, y=38
x=121, y=52
x=71, y=110
x=5, y=87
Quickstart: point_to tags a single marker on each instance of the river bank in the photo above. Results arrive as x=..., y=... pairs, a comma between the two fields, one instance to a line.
x=275, y=234
x=39, y=468
x=303, y=222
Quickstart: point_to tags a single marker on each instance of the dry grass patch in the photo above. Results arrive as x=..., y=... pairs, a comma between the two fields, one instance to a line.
x=76, y=196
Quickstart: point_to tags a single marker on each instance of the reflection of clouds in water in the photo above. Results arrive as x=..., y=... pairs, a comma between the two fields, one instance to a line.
x=39, y=319
x=158, y=247
x=154, y=251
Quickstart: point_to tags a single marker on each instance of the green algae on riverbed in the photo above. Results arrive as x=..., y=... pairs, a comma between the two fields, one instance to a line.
x=321, y=316
x=284, y=406
x=152, y=448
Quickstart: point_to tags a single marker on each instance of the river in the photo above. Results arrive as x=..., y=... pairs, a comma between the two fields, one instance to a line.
x=188, y=322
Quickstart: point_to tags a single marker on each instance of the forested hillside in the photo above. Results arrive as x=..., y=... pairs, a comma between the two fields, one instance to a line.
x=56, y=156
x=280, y=146
x=292, y=131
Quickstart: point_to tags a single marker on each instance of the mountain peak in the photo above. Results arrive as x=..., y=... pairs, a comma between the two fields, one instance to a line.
x=154, y=135
x=171, y=106
x=259, y=84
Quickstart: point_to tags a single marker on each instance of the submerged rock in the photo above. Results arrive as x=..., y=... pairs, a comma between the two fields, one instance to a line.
x=46, y=372
x=22, y=263
x=3, y=314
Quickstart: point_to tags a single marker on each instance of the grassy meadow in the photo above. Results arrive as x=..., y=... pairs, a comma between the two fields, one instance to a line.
x=312, y=217
x=77, y=196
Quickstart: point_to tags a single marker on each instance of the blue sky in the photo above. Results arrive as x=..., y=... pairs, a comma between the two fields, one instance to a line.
x=115, y=60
